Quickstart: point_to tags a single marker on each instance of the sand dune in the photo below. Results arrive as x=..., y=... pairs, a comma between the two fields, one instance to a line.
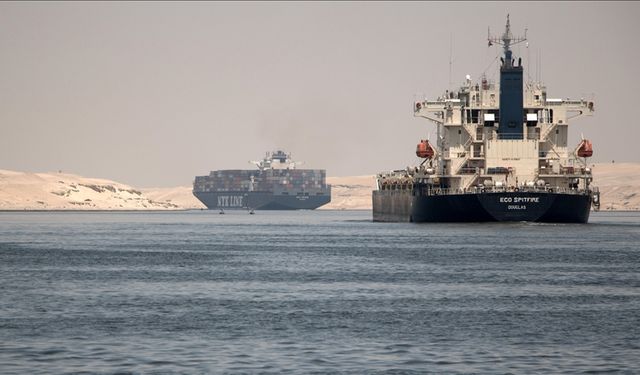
x=180, y=196
x=62, y=191
x=350, y=193
x=619, y=185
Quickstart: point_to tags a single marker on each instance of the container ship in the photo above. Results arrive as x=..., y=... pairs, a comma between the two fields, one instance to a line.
x=276, y=184
x=501, y=154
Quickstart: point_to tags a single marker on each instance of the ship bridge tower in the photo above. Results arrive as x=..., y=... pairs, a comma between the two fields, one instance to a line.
x=511, y=115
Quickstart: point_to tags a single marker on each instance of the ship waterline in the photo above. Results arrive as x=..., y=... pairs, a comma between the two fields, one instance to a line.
x=567, y=207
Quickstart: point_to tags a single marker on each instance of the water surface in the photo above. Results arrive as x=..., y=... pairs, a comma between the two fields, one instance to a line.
x=315, y=292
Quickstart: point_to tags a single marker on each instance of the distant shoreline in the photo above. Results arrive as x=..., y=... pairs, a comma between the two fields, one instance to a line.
x=619, y=186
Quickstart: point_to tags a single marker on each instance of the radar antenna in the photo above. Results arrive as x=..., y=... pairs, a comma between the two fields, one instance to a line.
x=506, y=40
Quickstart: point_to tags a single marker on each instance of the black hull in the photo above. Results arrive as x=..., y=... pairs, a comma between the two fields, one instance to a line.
x=243, y=200
x=403, y=205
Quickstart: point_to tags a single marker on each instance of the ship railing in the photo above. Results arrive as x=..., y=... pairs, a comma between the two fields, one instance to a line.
x=547, y=132
x=471, y=129
x=487, y=189
x=468, y=170
x=547, y=139
x=510, y=136
x=577, y=171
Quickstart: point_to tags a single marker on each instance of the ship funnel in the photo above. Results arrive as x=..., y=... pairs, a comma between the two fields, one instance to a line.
x=511, y=97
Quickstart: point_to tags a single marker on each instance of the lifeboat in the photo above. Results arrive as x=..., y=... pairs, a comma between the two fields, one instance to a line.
x=424, y=150
x=585, y=149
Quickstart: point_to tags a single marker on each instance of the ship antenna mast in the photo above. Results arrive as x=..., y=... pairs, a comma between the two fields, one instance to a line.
x=506, y=41
x=450, y=57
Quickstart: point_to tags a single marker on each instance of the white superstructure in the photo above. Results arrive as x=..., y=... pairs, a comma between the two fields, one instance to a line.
x=471, y=152
x=528, y=148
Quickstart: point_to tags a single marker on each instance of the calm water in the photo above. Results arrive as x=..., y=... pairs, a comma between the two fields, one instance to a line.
x=315, y=292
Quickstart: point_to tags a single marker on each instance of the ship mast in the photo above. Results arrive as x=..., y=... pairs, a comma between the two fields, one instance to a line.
x=506, y=41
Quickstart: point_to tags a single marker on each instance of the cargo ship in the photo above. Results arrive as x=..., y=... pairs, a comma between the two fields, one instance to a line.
x=501, y=154
x=276, y=184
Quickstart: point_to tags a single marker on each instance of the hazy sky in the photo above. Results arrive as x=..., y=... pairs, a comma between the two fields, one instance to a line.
x=152, y=94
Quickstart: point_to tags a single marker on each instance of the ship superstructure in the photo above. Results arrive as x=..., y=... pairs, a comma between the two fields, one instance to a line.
x=276, y=184
x=502, y=153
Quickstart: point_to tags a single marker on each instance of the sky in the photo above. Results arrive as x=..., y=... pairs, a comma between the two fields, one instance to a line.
x=152, y=94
